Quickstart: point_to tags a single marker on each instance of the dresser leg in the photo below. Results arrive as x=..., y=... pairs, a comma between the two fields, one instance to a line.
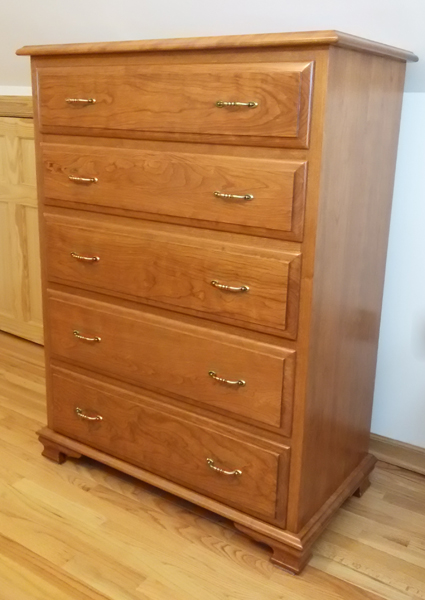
x=362, y=487
x=56, y=452
x=288, y=558
x=293, y=561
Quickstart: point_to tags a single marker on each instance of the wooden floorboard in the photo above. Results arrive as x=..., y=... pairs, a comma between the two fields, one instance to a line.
x=84, y=531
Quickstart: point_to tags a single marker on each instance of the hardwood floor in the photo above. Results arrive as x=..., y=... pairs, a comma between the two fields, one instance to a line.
x=83, y=531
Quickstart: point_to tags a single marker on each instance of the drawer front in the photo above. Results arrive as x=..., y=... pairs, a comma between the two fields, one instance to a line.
x=171, y=445
x=181, y=185
x=172, y=356
x=181, y=99
x=161, y=265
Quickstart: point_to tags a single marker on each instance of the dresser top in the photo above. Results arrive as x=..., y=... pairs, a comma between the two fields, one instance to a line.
x=267, y=40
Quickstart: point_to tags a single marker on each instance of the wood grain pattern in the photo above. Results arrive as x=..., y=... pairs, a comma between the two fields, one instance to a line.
x=20, y=285
x=202, y=58
x=165, y=354
x=16, y=106
x=398, y=453
x=356, y=99
x=182, y=99
x=352, y=234
x=165, y=444
x=65, y=531
x=284, y=156
x=173, y=268
x=268, y=40
x=181, y=184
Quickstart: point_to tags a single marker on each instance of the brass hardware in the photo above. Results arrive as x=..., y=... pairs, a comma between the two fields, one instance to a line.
x=80, y=101
x=81, y=414
x=229, y=288
x=85, y=258
x=222, y=104
x=82, y=179
x=235, y=196
x=212, y=466
x=214, y=375
x=86, y=339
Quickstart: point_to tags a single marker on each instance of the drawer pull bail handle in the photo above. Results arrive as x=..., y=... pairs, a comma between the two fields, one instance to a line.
x=212, y=466
x=78, y=335
x=214, y=375
x=85, y=258
x=83, y=179
x=234, y=196
x=81, y=414
x=80, y=101
x=222, y=104
x=229, y=288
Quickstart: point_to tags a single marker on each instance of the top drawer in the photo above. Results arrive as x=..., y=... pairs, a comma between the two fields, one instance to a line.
x=184, y=99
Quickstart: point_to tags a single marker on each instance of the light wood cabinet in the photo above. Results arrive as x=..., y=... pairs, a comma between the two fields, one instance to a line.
x=20, y=278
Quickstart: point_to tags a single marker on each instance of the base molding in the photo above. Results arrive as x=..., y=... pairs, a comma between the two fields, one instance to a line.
x=290, y=550
x=291, y=559
x=398, y=454
x=56, y=452
x=294, y=559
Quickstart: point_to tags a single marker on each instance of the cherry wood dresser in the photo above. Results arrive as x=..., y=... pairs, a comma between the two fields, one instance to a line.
x=214, y=217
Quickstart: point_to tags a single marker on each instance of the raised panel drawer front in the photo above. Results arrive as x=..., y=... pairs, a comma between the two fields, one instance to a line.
x=264, y=194
x=269, y=100
x=172, y=445
x=168, y=265
x=246, y=378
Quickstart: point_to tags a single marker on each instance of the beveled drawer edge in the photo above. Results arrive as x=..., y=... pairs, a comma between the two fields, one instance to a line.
x=299, y=139
x=200, y=138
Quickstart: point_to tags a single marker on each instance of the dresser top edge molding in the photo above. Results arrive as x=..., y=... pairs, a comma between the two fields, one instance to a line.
x=264, y=40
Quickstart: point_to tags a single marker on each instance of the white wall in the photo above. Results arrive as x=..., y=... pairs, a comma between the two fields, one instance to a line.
x=399, y=410
x=24, y=22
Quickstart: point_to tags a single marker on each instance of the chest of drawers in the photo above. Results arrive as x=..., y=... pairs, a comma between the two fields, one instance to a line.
x=214, y=216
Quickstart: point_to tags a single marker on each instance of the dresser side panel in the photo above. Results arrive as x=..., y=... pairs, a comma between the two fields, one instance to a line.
x=358, y=165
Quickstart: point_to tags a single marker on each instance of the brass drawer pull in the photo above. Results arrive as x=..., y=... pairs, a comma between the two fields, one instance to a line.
x=234, y=196
x=86, y=339
x=80, y=101
x=81, y=414
x=212, y=466
x=214, y=375
x=85, y=258
x=229, y=288
x=82, y=179
x=222, y=104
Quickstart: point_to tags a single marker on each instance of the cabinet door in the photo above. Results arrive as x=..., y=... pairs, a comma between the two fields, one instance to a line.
x=20, y=278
